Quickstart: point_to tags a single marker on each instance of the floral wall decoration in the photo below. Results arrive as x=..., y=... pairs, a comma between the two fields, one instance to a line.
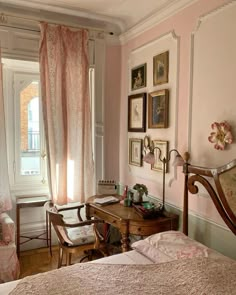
x=221, y=135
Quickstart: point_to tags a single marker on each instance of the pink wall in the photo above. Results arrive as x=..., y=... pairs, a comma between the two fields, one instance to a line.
x=183, y=24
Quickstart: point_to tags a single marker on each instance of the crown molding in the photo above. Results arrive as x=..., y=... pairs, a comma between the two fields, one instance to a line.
x=213, y=12
x=155, y=19
x=107, y=22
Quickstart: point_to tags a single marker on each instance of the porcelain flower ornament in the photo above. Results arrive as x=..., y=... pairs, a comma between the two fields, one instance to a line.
x=221, y=135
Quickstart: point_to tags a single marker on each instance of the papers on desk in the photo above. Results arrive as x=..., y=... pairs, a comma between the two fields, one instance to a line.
x=106, y=200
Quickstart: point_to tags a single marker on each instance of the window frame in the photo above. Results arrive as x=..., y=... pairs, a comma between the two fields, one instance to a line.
x=16, y=75
x=19, y=178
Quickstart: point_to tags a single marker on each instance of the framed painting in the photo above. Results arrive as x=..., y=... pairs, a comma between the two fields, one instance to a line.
x=160, y=151
x=135, y=151
x=138, y=77
x=137, y=113
x=158, y=109
x=161, y=68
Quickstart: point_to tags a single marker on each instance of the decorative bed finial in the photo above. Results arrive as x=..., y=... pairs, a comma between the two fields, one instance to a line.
x=221, y=135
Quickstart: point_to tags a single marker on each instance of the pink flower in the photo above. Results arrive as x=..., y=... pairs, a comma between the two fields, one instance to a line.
x=221, y=135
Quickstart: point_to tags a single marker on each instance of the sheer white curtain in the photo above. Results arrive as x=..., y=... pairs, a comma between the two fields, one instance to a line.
x=5, y=196
x=64, y=75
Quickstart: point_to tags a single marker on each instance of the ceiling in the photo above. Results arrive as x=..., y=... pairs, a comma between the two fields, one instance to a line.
x=123, y=14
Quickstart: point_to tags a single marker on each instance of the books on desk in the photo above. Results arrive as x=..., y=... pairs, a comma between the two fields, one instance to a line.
x=106, y=200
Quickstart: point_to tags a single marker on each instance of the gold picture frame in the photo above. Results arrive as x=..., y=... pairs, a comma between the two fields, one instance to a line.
x=135, y=151
x=138, y=77
x=137, y=112
x=163, y=145
x=158, y=109
x=161, y=68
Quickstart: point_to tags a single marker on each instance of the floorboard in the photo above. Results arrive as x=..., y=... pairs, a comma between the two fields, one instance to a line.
x=39, y=260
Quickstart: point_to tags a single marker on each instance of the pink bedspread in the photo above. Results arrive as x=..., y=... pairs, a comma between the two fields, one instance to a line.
x=184, y=277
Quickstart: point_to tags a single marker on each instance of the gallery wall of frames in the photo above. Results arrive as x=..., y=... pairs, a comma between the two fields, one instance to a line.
x=152, y=99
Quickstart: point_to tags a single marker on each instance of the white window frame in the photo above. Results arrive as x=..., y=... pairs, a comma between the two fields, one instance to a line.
x=17, y=75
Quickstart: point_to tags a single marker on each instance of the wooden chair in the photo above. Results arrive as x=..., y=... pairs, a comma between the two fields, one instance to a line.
x=75, y=237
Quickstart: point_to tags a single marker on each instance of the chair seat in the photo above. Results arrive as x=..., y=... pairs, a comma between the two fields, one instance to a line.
x=81, y=235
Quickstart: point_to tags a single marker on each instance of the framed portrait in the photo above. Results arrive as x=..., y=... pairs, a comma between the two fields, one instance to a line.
x=137, y=112
x=135, y=151
x=138, y=77
x=158, y=109
x=161, y=68
x=160, y=152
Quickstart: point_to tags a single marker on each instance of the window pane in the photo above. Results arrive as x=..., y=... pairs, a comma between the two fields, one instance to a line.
x=30, y=130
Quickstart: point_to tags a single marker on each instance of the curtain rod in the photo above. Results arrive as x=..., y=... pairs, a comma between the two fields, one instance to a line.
x=3, y=21
x=14, y=27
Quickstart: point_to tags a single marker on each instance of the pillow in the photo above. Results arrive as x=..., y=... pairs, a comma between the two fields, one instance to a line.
x=150, y=252
x=170, y=245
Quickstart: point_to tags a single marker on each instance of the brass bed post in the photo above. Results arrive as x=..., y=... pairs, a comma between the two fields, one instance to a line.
x=185, y=203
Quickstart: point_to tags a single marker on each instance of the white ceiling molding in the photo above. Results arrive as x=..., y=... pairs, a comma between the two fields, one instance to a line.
x=155, y=19
x=124, y=21
x=17, y=23
x=106, y=21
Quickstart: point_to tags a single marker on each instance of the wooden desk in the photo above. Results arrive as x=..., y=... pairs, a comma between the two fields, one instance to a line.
x=127, y=220
x=27, y=202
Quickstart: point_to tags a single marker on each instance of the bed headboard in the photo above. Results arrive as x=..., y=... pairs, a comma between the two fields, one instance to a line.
x=222, y=191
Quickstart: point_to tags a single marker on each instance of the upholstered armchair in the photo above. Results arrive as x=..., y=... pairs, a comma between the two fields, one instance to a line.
x=9, y=264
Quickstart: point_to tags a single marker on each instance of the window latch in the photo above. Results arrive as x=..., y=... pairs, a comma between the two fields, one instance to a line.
x=43, y=155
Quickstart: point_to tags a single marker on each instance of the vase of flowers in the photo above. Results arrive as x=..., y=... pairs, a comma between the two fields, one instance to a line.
x=141, y=189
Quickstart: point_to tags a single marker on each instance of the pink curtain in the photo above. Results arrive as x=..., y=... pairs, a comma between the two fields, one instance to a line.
x=64, y=75
x=5, y=196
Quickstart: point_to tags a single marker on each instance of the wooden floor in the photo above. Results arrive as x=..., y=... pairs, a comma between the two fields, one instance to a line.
x=37, y=261
x=40, y=260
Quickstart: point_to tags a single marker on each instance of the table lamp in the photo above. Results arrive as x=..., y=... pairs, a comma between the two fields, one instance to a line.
x=150, y=159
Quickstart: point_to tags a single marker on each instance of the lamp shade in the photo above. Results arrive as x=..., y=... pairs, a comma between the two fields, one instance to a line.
x=178, y=161
x=149, y=158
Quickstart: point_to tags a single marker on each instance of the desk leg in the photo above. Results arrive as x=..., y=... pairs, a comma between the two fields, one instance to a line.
x=124, y=230
x=124, y=242
x=49, y=232
x=18, y=230
x=47, y=235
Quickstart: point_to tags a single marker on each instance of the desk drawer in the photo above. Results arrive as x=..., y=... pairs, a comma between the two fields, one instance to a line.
x=143, y=230
x=107, y=218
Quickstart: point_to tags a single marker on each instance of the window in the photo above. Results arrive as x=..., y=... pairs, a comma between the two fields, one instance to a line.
x=26, y=144
x=24, y=123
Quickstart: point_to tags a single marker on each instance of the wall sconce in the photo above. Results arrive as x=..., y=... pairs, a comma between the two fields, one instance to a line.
x=149, y=158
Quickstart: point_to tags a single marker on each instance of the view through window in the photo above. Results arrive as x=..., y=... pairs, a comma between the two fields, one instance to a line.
x=30, y=129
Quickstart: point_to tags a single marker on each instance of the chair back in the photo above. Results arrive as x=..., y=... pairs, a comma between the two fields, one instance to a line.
x=58, y=223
